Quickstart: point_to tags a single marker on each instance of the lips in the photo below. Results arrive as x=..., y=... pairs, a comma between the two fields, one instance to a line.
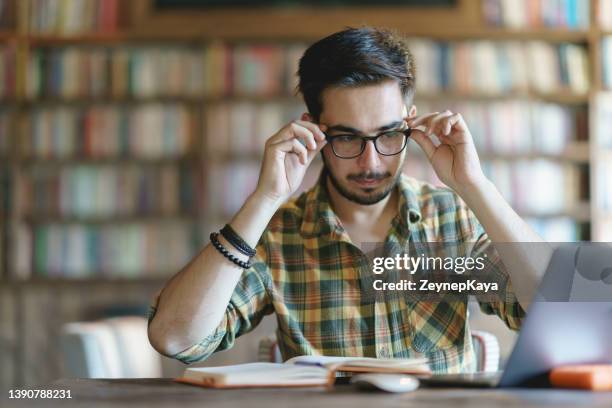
x=368, y=182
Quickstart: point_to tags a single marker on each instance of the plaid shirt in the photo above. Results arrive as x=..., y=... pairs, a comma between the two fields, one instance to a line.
x=318, y=283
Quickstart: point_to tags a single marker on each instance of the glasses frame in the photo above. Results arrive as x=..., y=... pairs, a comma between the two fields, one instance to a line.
x=364, y=139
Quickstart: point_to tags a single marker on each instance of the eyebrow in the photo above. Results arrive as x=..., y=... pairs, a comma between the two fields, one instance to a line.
x=345, y=128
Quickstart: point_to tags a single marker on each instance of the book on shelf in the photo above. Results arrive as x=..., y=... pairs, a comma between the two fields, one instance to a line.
x=83, y=191
x=71, y=17
x=8, y=15
x=536, y=14
x=146, y=131
x=602, y=230
x=603, y=121
x=517, y=126
x=216, y=69
x=500, y=67
x=8, y=71
x=557, y=229
x=302, y=371
x=603, y=185
x=605, y=14
x=7, y=117
x=540, y=187
x=259, y=69
x=243, y=127
x=145, y=71
x=602, y=168
x=606, y=62
x=129, y=250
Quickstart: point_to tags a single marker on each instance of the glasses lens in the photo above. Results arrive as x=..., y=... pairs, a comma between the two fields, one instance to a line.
x=391, y=142
x=347, y=145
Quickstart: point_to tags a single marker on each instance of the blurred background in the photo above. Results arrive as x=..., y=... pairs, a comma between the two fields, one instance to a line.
x=131, y=129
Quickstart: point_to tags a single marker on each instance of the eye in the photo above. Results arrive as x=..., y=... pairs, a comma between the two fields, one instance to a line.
x=392, y=135
x=346, y=138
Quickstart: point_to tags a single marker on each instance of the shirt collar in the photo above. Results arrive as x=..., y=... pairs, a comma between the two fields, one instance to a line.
x=320, y=219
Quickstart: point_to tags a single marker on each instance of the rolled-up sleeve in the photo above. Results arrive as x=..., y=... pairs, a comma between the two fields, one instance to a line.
x=249, y=303
x=505, y=304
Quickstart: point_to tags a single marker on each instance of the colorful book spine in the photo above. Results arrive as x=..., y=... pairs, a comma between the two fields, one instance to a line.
x=104, y=192
x=501, y=67
x=73, y=17
x=145, y=131
x=7, y=72
x=241, y=128
x=605, y=14
x=109, y=251
x=606, y=62
x=521, y=14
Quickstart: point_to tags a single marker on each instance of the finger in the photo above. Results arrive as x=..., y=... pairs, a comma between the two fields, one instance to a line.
x=450, y=122
x=286, y=133
x=313, y=153
x=304, y=136
x=314, y=128
x=437, y=124
x=424, y=141
x=420, y=120
x=293, y=146
x=454, y=122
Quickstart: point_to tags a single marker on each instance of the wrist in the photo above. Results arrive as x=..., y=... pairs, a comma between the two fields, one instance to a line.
x=265, y=201
x=474, y=189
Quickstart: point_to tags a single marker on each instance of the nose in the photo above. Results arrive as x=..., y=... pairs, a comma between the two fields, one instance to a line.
x=369, y=159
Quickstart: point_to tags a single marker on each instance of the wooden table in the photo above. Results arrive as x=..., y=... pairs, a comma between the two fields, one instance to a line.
x=153, y=393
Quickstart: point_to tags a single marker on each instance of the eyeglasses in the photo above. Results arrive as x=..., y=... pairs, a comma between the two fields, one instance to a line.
x=387, y=143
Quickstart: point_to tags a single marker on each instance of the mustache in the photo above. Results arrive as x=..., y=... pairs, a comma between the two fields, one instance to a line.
x=369, y=176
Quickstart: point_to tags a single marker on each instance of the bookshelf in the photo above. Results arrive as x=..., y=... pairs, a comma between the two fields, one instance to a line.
x=44, y=44
x=184, y=142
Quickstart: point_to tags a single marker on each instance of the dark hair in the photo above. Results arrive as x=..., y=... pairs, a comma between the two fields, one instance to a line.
x=354, y=57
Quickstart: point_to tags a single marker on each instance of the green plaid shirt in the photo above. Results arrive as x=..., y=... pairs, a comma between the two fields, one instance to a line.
x=318, y=283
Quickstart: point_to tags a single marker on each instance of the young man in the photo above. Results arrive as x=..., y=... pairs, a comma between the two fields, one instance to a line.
x=309, y=268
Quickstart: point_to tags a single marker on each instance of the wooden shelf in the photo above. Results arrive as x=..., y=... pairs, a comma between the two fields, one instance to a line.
x=111, y=219
x=135, y=36
x=56, y=162
x=577, y=152
x=103, y=100
x=493, y=33
x=562, y=97
x=154, y=279
x=580, y=213
x=7, y=35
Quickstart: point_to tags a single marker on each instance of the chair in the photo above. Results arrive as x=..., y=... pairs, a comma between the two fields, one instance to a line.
x=116, y=347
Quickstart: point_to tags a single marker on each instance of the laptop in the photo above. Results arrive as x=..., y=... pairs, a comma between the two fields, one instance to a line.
x=569, y=323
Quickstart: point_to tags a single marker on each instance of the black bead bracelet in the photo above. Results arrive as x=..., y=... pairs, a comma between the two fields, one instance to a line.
x=236, y=241
x=214, y=239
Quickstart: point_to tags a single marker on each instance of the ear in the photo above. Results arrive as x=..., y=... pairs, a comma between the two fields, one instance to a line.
x=306, y=117
x=412, y=112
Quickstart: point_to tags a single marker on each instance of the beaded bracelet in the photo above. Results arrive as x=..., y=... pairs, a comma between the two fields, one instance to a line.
x=237, y=242
x=214, y=239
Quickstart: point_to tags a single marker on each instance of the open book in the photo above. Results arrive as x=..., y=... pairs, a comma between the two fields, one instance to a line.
x=302, y=371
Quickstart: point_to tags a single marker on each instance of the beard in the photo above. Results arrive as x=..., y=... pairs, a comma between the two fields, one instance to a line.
x=369, y=198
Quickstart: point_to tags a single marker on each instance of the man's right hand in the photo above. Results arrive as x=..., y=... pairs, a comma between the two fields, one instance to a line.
x=287, y=156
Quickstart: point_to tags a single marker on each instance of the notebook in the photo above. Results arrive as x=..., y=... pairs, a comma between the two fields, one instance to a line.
x=302, y=371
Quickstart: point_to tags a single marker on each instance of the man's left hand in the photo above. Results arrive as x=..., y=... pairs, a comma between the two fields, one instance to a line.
x=455, y=159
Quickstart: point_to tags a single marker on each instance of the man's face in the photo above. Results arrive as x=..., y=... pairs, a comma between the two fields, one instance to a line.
x=364, y=110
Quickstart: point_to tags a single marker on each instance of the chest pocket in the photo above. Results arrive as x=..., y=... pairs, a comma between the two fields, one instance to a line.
x=437, y=325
